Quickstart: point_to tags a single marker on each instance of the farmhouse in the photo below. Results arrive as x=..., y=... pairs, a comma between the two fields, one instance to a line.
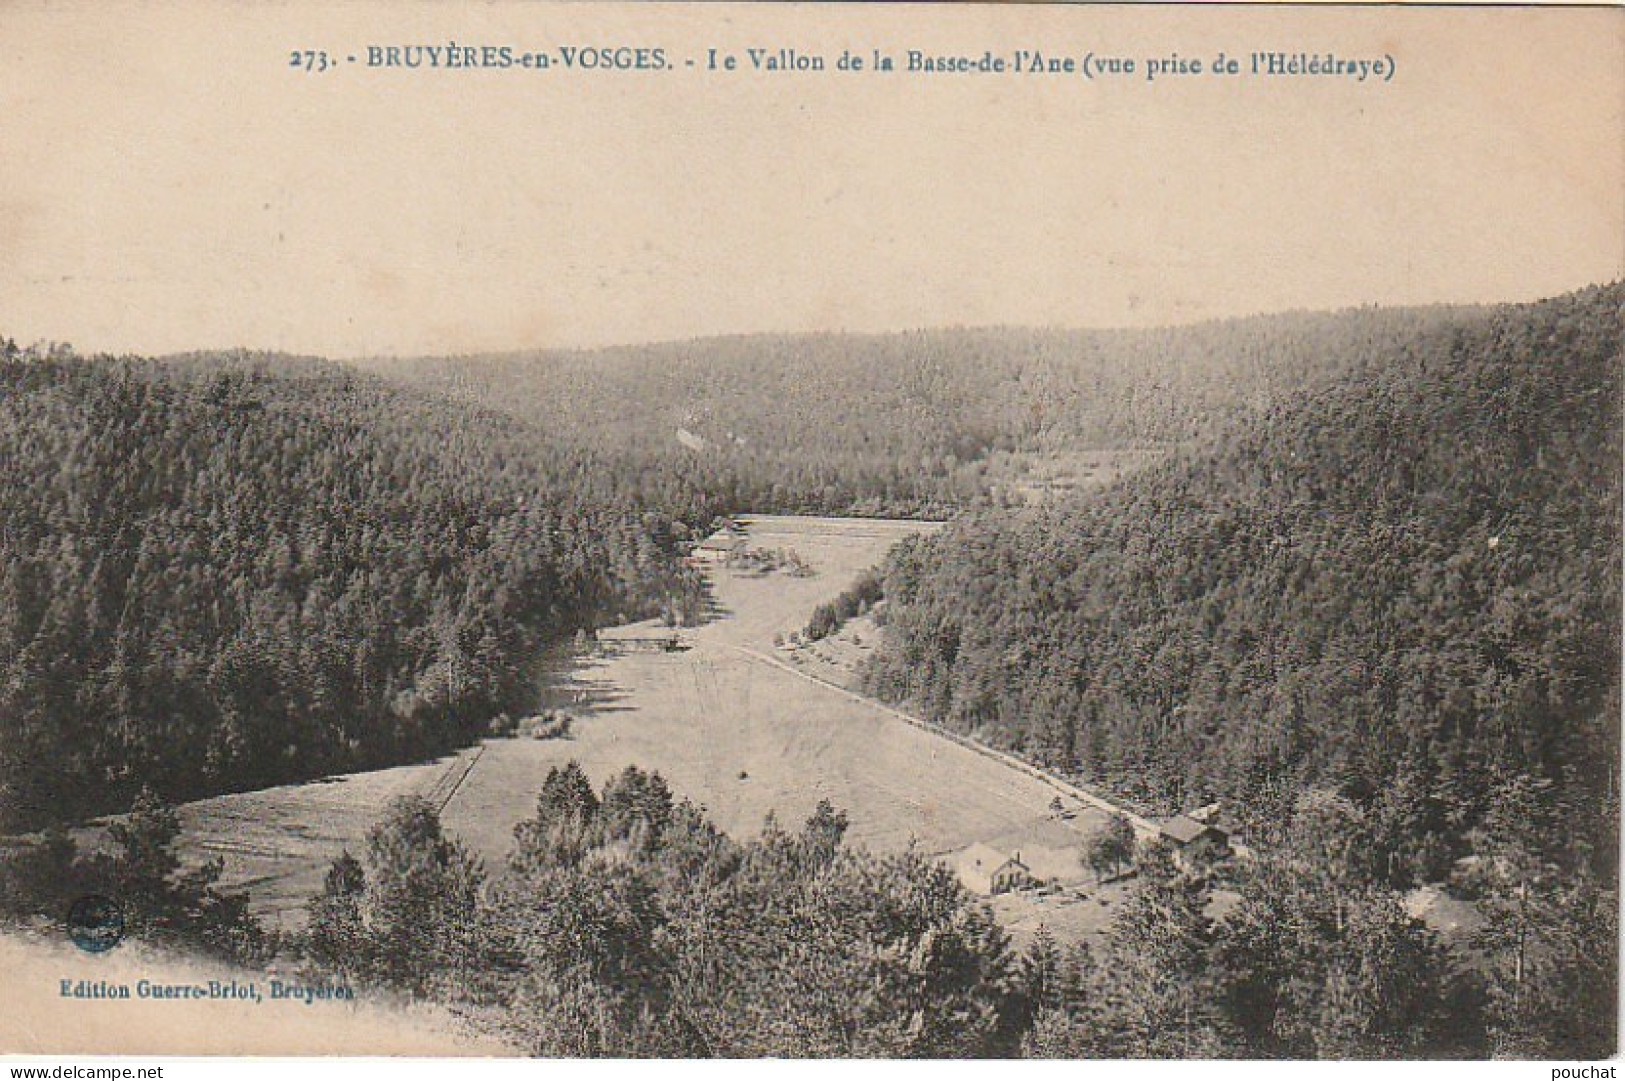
x=987, y=871
x=1051, y=849
x=719, y=548
x=1195, y=841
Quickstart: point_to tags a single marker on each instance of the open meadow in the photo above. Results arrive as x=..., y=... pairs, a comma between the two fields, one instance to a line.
x=726, y=719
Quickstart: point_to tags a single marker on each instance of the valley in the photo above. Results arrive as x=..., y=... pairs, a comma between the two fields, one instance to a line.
x=732, y=726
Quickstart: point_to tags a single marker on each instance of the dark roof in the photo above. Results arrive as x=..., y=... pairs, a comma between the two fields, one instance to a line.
x=720, y=541
x=1183, y=829
x=987, y=859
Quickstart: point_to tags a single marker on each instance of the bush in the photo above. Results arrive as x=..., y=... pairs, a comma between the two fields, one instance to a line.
x=552, y=726
x=863, y=595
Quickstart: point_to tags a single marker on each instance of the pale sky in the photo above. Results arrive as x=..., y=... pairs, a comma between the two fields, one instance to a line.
x=168, y=183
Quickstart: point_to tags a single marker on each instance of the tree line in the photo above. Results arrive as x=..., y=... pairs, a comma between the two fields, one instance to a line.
x=919, y=424
x=223, y=572
x=623, y=923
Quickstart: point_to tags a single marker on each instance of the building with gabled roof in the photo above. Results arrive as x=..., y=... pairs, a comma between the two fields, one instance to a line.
x=987, y=871
x=719, y=547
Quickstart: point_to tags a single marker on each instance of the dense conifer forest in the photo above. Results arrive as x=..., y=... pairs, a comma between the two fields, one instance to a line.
x=1403, y=585
x=916, y=424
x=231, y=571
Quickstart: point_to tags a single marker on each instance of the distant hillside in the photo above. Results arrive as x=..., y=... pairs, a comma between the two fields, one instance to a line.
x=908, y=424
x=1403, y=584
x=231, y=571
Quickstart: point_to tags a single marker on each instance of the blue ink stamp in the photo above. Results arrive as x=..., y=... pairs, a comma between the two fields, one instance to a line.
x=96, y=923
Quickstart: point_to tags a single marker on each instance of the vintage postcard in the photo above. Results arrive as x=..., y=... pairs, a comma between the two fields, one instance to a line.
x=810, y=531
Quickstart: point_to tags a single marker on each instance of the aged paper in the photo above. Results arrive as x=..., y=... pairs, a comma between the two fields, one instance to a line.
x=463, y=205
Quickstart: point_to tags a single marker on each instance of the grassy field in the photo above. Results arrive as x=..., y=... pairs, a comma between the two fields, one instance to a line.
x=728, y=727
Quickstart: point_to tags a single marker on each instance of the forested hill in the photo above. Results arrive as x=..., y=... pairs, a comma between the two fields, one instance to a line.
x=1403, y=585
x=908, y=424
x=231, y=571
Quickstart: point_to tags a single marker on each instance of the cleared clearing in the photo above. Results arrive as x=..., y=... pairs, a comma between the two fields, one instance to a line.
x=722, y=719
